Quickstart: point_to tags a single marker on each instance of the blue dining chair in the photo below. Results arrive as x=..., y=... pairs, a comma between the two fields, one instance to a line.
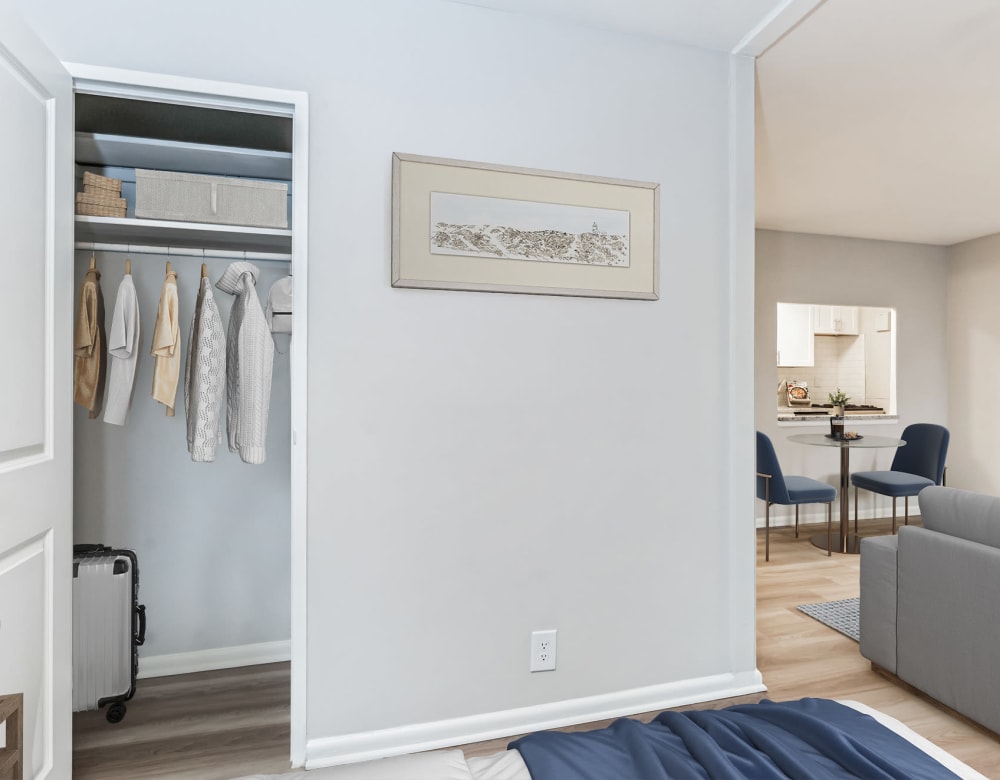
x=773, y=487
x=917, y=464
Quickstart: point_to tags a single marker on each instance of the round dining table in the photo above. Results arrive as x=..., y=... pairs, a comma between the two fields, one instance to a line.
x=844, y=542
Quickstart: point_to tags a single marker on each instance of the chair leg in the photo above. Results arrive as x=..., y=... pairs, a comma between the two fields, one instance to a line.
x=855, y=510
x=796, y=521
x=894, y=514
x=767, y=531
x=829, y=529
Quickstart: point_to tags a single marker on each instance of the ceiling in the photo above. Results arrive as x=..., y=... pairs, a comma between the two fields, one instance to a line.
x=710, y=24
x=875, y=118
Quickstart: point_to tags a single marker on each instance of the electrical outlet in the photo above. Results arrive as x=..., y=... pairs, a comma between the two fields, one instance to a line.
x=543, y=651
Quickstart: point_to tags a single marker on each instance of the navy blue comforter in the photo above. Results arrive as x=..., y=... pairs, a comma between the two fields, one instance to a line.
x=811, y=739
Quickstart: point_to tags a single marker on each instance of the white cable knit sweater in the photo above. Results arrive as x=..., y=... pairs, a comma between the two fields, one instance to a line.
x=249, y=360
x=204, y=375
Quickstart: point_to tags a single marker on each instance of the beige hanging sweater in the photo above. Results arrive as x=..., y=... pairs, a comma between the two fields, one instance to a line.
x=167, y=345
x=88, y=346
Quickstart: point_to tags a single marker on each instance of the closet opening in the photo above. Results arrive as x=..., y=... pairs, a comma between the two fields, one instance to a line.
x=218, y=534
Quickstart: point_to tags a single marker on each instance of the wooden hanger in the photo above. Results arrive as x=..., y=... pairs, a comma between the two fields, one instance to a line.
x=169, y=269
x=93, y=262
x=204, y=271
x=128, y=265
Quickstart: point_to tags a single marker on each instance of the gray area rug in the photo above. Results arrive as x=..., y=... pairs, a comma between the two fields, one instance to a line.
x=840, y=615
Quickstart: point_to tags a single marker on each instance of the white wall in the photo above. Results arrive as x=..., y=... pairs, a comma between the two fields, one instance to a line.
x=973, y=346
x=838, y=363
x=910, y=278
x=482, y=465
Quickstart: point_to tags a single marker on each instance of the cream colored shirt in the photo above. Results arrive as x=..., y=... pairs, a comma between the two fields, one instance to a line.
x=167, y=345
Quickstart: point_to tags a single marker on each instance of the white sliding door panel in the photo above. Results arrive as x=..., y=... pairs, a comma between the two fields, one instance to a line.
x=24, y=146
x=36, y=537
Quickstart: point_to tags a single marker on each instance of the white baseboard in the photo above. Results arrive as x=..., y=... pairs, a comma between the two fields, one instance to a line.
x=369, y=745
x=214, y=658
x=784, y=516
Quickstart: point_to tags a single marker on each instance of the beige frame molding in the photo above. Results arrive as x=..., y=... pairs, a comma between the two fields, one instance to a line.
x=415, y=177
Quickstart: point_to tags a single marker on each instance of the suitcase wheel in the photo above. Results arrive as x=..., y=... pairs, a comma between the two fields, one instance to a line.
x=116, y=712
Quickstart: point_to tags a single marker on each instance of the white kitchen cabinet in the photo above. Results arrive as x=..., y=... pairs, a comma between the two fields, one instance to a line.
x=795, y=334
x=835, y=320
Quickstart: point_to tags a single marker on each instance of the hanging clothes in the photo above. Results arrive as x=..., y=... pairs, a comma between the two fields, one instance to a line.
x=249, y=361
x=123, y=351
x=204, y=375
x=278, y=313
x=167, y=344
x=89, y=364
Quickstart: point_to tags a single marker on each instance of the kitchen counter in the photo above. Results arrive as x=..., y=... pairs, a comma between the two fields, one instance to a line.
x=787, y=416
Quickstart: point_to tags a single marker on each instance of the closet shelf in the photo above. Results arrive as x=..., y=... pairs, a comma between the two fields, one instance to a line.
x=195, y=235
x=130, y=152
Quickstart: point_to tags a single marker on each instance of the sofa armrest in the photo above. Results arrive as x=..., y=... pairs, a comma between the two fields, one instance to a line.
x=877, y=623
x=947, y=621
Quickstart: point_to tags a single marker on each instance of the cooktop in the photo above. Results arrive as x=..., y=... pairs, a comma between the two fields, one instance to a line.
x=849, y=407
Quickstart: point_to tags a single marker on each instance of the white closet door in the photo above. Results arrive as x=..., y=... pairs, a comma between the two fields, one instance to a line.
x=36, y=394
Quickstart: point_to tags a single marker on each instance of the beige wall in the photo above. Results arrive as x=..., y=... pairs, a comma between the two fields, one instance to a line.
x=974, y=376
x=910, y=278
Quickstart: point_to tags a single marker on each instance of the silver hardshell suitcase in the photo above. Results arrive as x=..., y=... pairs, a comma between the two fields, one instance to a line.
x=108, y=625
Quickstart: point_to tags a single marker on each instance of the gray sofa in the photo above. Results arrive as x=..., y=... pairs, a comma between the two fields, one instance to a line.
x=930, y=602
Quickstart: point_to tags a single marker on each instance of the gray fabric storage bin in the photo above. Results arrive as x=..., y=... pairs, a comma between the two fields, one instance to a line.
x=219, y=200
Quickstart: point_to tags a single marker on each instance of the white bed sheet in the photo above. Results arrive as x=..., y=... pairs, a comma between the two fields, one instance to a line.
x=939, y=754
x=508, y=764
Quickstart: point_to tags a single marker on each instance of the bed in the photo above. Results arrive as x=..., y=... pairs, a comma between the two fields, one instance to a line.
x=807, y=738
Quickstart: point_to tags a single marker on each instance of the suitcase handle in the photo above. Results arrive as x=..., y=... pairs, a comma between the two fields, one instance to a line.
x=83, y=549
x=140, y=611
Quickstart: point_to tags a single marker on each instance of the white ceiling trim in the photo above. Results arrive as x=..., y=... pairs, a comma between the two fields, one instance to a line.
x=784, y=18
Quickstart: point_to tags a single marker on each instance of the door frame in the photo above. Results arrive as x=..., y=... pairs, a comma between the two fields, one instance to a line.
x=215, y=94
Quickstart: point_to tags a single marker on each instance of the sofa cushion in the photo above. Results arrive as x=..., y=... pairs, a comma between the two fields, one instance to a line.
x=961, y=513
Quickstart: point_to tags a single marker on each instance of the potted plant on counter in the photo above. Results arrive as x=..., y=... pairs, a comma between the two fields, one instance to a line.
x=839, y=401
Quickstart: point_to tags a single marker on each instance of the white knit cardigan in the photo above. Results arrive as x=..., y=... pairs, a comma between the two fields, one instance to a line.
x=204, y=375
x=249, y=361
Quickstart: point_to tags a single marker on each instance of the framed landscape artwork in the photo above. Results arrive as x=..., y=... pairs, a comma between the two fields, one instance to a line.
x=472, y=226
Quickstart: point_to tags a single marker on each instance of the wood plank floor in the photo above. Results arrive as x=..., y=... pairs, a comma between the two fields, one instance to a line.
x=205, y=726
x=219, y=725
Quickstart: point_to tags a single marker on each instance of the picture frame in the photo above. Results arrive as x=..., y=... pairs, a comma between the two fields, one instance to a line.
x=459, y=225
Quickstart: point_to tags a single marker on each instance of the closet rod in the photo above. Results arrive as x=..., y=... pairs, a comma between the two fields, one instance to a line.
x=174, y=251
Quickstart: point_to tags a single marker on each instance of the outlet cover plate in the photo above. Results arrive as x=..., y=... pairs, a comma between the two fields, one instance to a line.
x=543, y=651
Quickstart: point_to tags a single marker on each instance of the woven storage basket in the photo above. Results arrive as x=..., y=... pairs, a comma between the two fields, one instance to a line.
x=222, y=200
x=92, y=182
x=101, y=198
x=93, y=210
